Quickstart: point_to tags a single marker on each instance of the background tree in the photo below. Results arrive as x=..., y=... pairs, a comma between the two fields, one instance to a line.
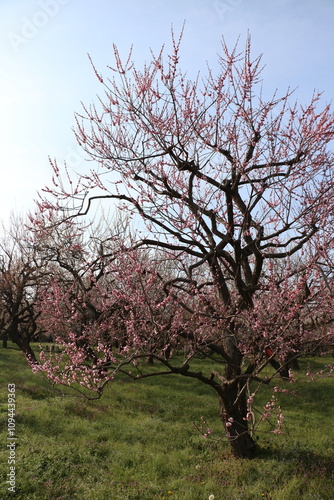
x=21, y=274
x=226, y=182
x=98, y=290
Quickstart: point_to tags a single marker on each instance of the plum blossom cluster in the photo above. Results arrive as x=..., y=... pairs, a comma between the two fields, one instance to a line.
x=203, y=428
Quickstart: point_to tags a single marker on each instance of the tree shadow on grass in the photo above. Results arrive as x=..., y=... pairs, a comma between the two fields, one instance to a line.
x=304, y=462
x=37, y=392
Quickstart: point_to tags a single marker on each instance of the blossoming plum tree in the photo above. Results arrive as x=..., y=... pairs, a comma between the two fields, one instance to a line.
x=226, y=185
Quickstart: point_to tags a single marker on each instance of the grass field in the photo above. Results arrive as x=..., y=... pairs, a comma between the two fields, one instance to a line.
x=139, y=442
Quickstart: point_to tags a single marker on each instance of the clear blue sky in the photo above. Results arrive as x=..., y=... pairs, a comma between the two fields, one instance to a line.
x=45, y=73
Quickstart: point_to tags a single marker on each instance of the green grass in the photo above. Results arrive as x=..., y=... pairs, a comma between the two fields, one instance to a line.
x=139, y=443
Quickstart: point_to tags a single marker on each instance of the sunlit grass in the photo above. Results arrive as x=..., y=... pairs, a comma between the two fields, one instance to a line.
x=139, y=442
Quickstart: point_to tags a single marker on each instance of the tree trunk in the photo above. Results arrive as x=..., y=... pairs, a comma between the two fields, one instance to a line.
x=291, y=361
x=233, y=400
x=150, y=360
x=233, y=412
x=5, y=340
x=28, y=352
